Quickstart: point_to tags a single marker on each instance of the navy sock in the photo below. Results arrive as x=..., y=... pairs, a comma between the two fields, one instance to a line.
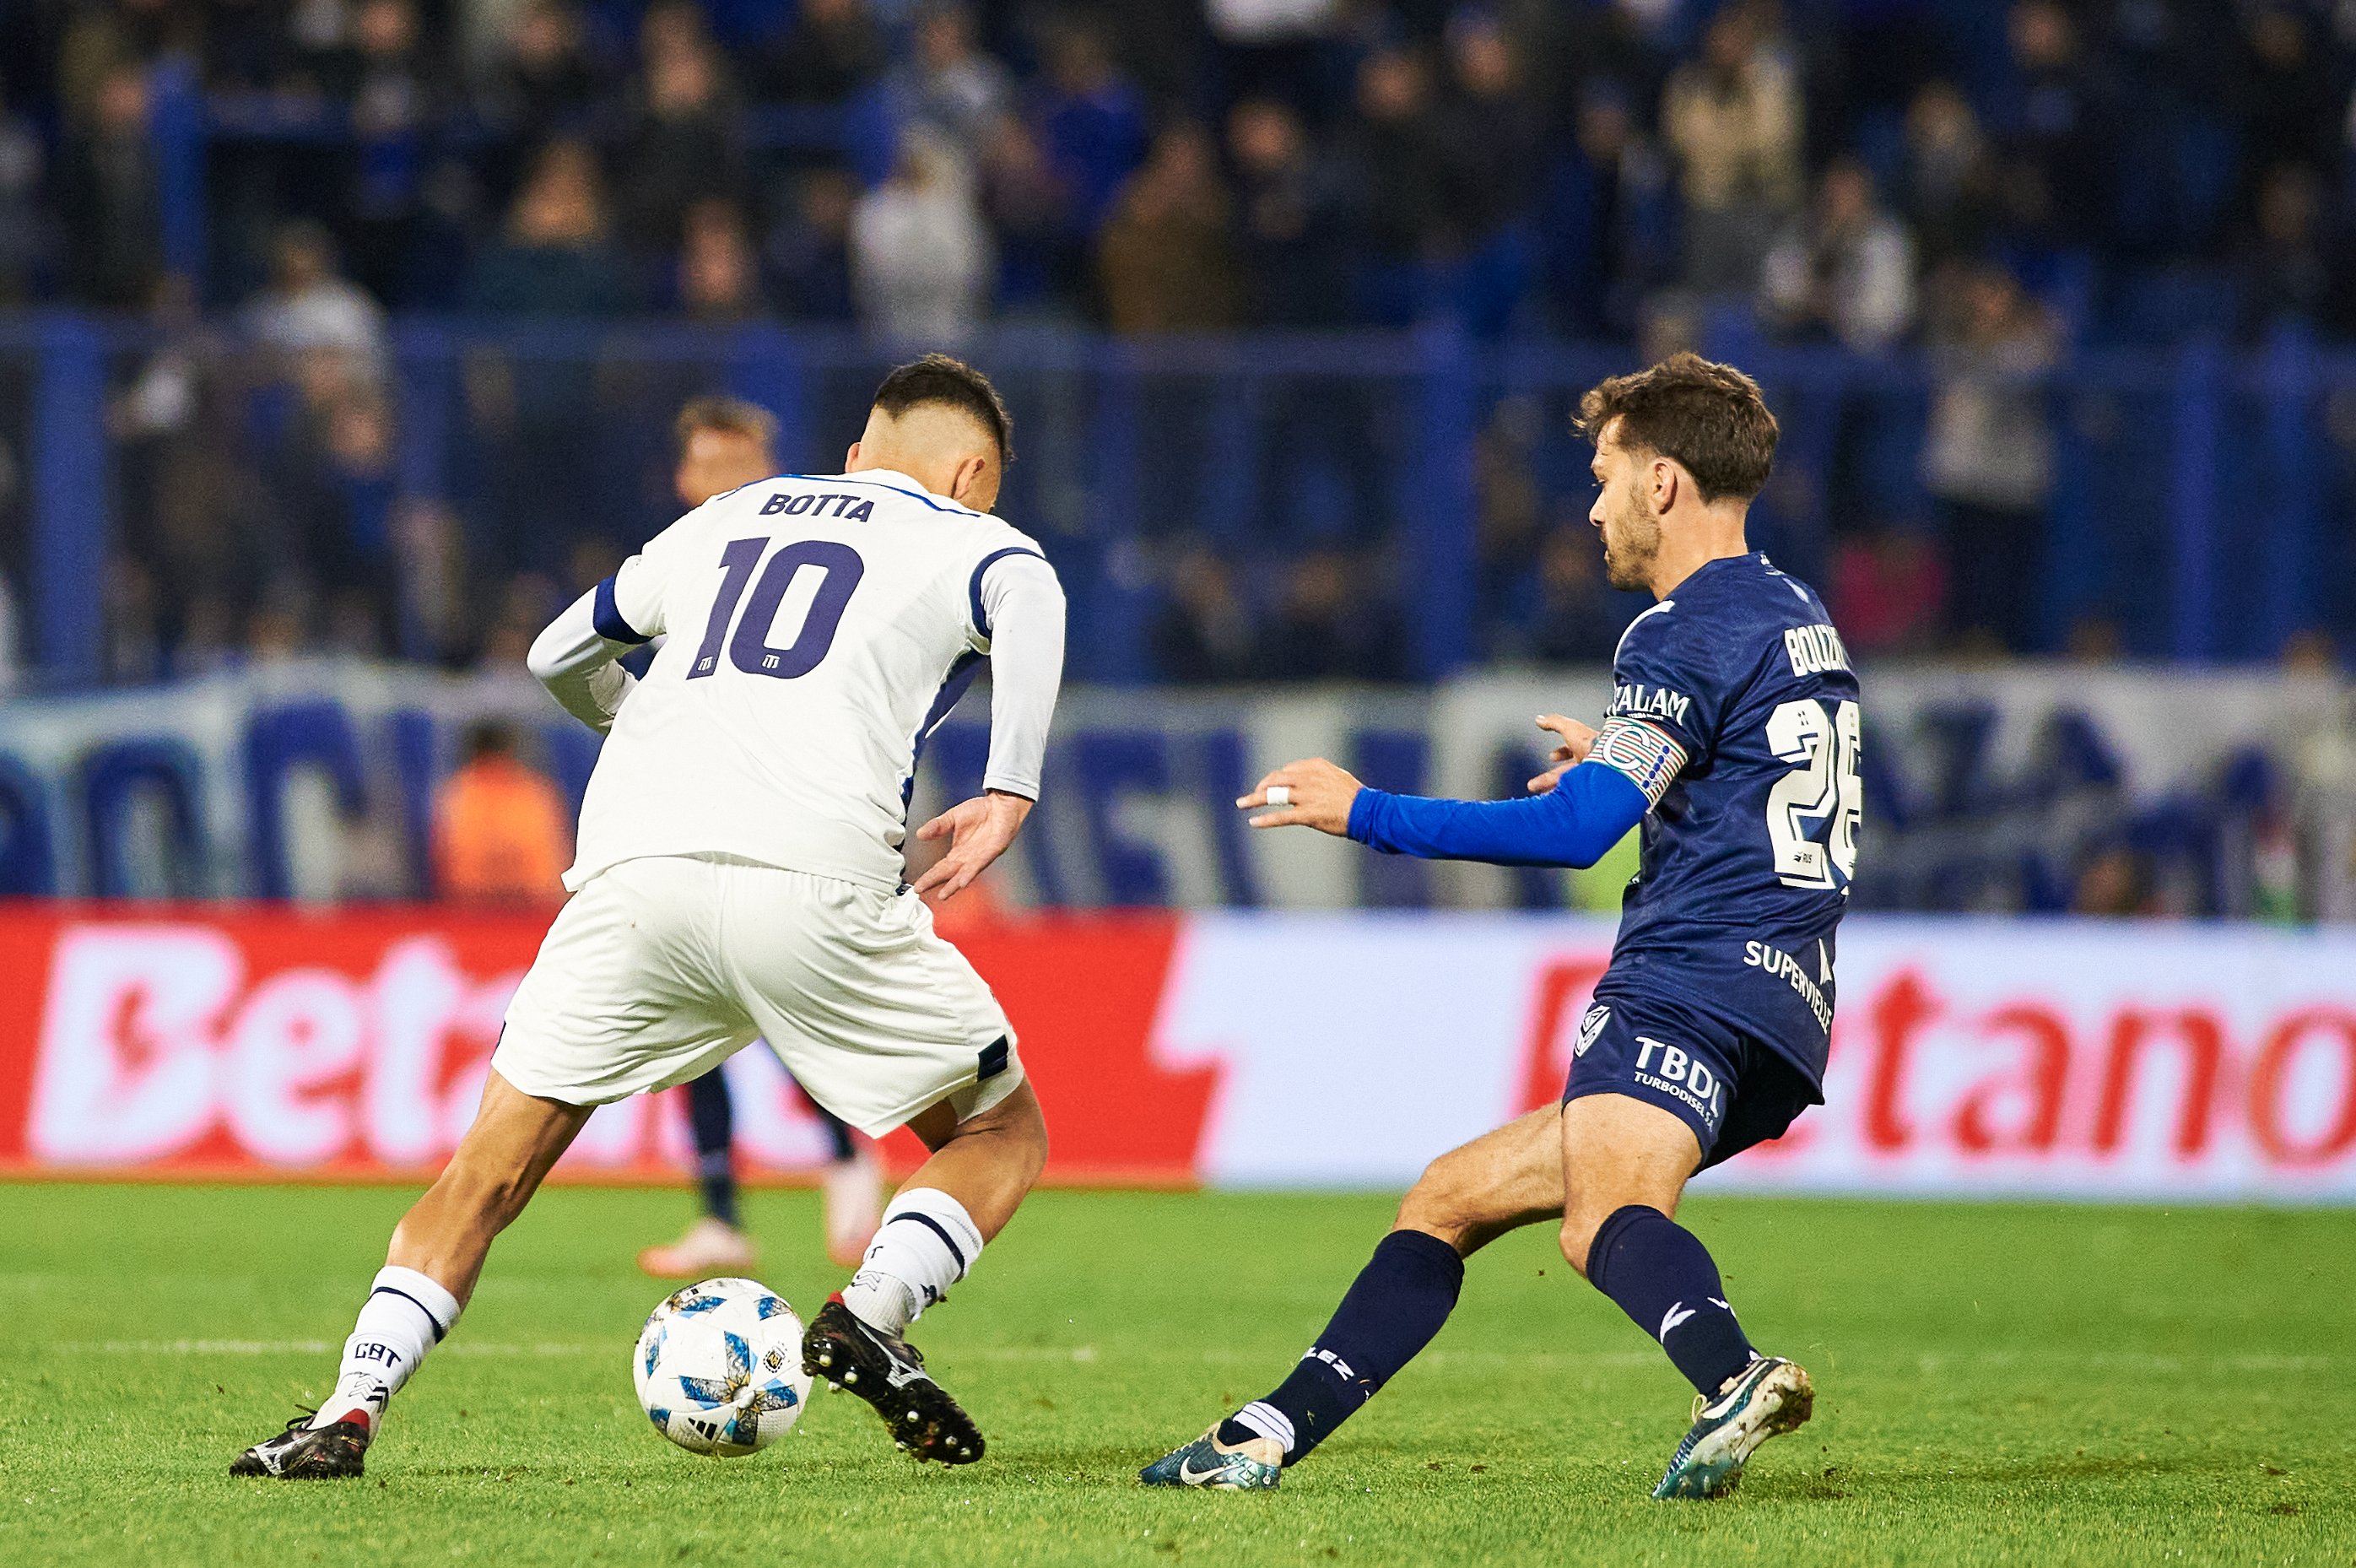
x=713, y=1120
x=838, y=1134
x=1662, y=1276
x=1394, y=1307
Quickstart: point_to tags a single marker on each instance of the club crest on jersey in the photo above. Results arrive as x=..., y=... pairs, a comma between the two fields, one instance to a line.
x=1590, y=1027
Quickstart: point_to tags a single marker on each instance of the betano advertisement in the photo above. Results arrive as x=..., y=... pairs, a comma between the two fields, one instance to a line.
x=2124, y=1061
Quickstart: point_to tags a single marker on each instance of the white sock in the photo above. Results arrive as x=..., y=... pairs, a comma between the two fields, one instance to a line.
x=925, y=1244
x=405, y=1316
x=1268, y=1420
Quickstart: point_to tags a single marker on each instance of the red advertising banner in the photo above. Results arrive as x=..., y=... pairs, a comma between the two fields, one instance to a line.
x=353, y=1045
x=2051, y=1059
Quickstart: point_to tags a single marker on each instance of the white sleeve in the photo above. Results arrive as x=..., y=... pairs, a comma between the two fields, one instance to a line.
x=575, y=662
x=1023, y=616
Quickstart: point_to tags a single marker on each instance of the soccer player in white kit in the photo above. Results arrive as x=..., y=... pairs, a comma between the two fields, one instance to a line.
x=739, y=875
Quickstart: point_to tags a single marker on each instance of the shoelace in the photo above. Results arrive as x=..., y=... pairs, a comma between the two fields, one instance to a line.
x=303, y=1413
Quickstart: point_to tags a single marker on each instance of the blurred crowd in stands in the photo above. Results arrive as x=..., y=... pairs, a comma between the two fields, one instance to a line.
x=1992, y=182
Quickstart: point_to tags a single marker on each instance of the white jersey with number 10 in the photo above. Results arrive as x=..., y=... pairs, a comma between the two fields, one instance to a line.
x=816, y=629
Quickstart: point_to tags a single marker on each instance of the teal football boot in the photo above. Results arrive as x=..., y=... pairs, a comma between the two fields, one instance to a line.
x=1766, y=1399
x=1254, y=1465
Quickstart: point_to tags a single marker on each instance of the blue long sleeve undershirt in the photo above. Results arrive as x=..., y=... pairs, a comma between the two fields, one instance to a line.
x=1574, y=823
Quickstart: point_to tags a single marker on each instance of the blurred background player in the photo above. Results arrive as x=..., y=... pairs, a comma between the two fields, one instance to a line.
x=725, y=442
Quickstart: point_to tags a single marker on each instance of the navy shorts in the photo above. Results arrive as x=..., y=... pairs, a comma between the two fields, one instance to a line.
x=1732, y=1091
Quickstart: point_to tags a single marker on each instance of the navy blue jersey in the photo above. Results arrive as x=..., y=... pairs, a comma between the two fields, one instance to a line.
x=1736, y=710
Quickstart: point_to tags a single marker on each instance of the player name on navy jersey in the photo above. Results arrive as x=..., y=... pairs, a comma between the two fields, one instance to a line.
x=1751, y=844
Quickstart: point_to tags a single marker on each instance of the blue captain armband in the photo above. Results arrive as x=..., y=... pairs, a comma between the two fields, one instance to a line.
x=1575, y=823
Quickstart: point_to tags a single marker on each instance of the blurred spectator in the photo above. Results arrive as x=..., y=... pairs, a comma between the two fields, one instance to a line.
x=1394, y=163
x=1289, y=217
x=523, y=605
x=1845, y=272
x=919, y=254
x=310, y=306
x=1041, y=245
x=682, y=147
x=1886, y=593
x=2285, y=105
x=543, y=82
x=808, y=254
x=2056, y=119
x=1488, y=136
x=1605, y=225
x=332, y=490
x=1947, y=189
x=1091, y=121
x=1564, y=612
x=110, y=198
x=394, y=92
x=1733, y=120
x=1325, y=628
x=2117, y=882
x=1988, y=454
x=2289, y=271
x=11, y=640
x=833, y=52
x=719, y=278
x=1203, y=635
x=1165, y=260
x=24, y=222
x=502, y=833
x=947, y=82
x=1509, y=511
x=553, y=259
x=245, y=46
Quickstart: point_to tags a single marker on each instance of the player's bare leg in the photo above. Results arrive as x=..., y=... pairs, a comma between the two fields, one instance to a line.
x=1465, y=1200
x=932, y=1234
x=1625, y=1163
x=429, y=1271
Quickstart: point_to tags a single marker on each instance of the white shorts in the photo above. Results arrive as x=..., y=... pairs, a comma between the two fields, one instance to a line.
x=659, y=969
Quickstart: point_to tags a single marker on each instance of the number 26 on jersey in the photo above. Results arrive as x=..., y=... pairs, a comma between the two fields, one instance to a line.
x=1813, y=810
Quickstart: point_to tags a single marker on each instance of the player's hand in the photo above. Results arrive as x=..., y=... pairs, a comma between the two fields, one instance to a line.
x=1318, y=796
x=979, y=832
x=1578, y=740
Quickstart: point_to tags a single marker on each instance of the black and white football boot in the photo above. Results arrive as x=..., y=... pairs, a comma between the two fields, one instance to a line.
x=307, y=1453
x=888, y=1374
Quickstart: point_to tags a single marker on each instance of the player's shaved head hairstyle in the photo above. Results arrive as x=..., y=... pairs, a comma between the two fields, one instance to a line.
x=951, y=384
x=726, y=416
x=1710, y=418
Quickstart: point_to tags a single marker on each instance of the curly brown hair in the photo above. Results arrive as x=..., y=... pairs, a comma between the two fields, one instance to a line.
x=1708, y=417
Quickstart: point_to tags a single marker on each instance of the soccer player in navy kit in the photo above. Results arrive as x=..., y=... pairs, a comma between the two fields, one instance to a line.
x=1733, y=737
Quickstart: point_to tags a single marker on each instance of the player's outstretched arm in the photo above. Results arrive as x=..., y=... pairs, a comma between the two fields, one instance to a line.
x=1580, y=811
x=574, y=660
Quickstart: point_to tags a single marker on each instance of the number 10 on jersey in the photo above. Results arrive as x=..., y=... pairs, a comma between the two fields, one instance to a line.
x=839, y=568
x=1813, y=810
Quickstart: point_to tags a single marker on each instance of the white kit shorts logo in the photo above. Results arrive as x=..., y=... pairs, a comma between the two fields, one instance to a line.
x=1589, y=1028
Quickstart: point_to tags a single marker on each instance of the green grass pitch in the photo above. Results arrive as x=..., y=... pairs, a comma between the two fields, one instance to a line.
x=1996, y=1385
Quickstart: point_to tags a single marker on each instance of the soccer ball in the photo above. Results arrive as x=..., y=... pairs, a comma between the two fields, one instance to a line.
x=719, y=1368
